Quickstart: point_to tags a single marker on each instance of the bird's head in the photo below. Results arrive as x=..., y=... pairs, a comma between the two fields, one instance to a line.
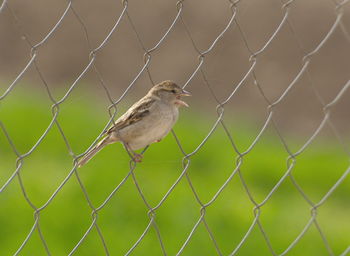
x=170, y=92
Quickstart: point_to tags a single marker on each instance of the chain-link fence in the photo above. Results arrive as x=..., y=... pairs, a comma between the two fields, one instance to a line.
x=329, y=44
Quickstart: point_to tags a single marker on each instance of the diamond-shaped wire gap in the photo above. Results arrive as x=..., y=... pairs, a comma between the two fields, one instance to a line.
x=61, y=59
x=41, y=176
x=161, y=166
x=330, y=61
x=69, y=200
x=204, y=29
x=275, y=38
x=245, y=117
x=182, y=217
x=170, y=35
x=84, y=114
x=320, y=165
x=278, y=64
x=90, y=49
x=93, y=57
x=175, y=60
x=202, y=53
x=112, y=66
x=34, y=20
x=224, y=65
x=34, y=51
x=98, y=17
x=131, y=214
x=264, y=165
x=302, y=118
x=214, y=162
x=312, y=28
x=260, y=21
x=230, y=215
x=314, y=215
x=287, y=210
x=147, y=21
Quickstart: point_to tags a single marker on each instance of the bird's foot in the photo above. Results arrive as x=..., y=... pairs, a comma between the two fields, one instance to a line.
x=159, y=140
x=137, y=158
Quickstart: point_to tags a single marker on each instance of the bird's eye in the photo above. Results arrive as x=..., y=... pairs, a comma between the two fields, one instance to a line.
x=173, y=91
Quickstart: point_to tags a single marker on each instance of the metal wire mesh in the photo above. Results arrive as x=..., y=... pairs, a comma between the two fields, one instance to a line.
x=178, y=20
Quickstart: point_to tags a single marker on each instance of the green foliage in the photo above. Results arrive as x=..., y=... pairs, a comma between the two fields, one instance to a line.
x=123, y=219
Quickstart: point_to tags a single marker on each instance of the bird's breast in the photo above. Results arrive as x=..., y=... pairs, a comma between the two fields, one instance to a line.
x=153, y=127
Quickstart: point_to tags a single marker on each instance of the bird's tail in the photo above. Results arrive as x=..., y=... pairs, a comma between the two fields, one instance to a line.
x=104, y=142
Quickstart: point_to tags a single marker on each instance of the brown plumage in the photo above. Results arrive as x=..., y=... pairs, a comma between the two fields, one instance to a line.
x=147, y=121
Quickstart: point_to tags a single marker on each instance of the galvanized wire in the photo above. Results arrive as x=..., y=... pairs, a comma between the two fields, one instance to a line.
x=178, y=20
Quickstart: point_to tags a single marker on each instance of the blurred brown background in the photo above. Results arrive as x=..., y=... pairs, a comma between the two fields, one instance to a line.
x=63, y=57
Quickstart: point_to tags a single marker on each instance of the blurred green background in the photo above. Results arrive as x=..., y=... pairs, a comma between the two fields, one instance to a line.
x=124, y=217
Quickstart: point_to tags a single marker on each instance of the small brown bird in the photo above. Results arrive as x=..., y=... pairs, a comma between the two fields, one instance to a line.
x=147, y=121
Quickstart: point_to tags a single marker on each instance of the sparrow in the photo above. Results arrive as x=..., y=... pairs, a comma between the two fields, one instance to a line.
x=147, y=121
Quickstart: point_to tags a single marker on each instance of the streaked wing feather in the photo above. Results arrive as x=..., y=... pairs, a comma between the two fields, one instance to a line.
x=139, y=110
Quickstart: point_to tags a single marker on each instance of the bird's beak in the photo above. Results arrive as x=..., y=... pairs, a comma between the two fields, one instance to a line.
x=180, y=102
x=185, y=93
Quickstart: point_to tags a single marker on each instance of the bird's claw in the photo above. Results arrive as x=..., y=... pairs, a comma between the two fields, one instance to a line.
x=137, y=158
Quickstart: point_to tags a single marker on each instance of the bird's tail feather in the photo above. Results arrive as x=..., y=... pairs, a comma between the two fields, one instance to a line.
x=93, y=151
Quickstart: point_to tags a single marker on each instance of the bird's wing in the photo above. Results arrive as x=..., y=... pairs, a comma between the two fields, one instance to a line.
x=138, y=111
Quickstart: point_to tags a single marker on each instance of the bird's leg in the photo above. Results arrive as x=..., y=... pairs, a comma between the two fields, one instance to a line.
x=136, y=157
